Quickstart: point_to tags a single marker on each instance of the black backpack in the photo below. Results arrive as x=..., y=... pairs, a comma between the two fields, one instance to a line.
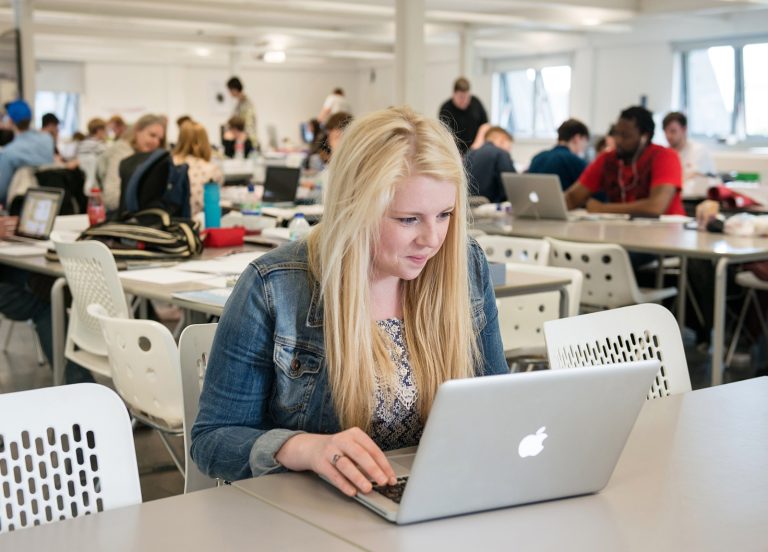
x=152, y=181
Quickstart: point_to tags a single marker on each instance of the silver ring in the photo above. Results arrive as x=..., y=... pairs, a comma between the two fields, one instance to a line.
x=336, y=458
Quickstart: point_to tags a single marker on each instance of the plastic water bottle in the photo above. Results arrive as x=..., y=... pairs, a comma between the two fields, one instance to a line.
x=298, y=228
x=211, y=205
x=252, y=203
x=96, y=210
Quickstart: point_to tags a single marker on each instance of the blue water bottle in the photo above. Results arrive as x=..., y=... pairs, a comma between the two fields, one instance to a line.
x=211, y=206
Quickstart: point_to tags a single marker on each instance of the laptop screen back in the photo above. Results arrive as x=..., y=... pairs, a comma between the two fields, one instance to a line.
x=535, y=196
x=41, y=206
x=281, y=184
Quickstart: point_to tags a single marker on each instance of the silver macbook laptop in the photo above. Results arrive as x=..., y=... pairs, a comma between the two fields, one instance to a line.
x=514, y=439
x=535, y=196
x=39, y=211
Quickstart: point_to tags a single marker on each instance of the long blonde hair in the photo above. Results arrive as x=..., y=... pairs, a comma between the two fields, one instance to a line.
x=193, y=140
x=376, y=153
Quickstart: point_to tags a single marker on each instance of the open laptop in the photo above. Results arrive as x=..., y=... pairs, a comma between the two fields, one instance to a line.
x=281, y=185
x=537, y=196
x=514, y=439
x=39, y=211
x=540, y=196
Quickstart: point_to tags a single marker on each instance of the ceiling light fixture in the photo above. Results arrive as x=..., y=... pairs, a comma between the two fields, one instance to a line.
x=274, y=56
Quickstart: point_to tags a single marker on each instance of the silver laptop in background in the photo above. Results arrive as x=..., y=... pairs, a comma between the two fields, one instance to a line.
x=538, y=196
x=38, y=213
x=514, y=439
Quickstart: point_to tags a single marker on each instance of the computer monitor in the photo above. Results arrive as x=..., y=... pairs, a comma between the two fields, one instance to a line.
x=306, y=133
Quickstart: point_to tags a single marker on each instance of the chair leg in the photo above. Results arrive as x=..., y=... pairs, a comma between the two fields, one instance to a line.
x=760, y=316
x=737, y=330
x=8, y=333
x=41, y=360
x=171, y=452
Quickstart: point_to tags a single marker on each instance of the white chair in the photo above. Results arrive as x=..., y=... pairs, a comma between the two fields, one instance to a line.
x=638, y=332
x=521, y=317
x=194, y=348
x=752, y=284
x=64, y=452
x=609, y=280
x=507, y=249
x=91, y=274
x=146, y=372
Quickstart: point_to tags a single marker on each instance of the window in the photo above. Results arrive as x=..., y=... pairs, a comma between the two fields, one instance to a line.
x=724, y=89
x=65, y=105
x=531, y=103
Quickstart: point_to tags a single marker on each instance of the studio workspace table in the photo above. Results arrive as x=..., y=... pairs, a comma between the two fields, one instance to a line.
x=220, y=519
x=658, y=238
x=516, y=284
x=692, y=477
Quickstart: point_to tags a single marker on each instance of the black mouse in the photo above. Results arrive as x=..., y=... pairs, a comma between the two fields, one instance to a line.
x=715, y=225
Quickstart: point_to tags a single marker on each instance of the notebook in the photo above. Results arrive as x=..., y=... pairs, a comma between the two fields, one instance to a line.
x=505, y=440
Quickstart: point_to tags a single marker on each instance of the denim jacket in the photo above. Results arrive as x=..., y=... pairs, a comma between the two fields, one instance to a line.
x=266, y=379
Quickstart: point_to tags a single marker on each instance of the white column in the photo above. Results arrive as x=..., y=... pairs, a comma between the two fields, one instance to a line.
x=466, y=52
x=22, y=10
x=410, y=54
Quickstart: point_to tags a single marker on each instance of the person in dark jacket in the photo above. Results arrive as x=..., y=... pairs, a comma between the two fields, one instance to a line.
x=485, y=165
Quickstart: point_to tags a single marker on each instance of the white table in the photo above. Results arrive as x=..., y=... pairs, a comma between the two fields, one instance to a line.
x=219, y=520
x=659, y=238
x=693, y=476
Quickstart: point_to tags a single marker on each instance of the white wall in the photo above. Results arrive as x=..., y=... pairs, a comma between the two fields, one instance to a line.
x=283, y=97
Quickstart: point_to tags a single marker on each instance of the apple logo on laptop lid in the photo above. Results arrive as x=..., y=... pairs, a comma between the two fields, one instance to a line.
x=533, y=444
x=534, y=197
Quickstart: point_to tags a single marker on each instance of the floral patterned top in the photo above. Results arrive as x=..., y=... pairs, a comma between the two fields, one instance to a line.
x=200, y=172
x=396, y=422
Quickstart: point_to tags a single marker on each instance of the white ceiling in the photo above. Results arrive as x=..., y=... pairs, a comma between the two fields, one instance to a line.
x=322, y=31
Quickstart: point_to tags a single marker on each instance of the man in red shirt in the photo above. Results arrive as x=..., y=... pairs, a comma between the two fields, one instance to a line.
x=637, y=178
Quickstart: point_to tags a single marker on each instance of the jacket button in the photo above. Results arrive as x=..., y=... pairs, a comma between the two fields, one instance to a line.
x=295, y=364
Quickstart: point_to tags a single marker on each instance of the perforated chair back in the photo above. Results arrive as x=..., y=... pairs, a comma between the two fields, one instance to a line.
x=194, y=347
x=145, y=368
x=521, y=318
x=638, y=332
x=91, y=275
x=506, y=249
x=64, y=452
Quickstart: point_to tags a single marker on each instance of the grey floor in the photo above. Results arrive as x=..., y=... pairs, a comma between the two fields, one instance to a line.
x=159, y=478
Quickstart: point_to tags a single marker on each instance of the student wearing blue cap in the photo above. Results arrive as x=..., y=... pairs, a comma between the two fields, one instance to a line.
x=29, y=148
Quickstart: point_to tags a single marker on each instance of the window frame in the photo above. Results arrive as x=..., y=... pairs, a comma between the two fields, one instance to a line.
x=738, y=127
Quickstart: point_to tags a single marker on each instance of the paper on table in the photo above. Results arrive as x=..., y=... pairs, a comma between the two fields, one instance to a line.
x=217, y=297
x=228, y=264
x=20, y=250
x=163, y=276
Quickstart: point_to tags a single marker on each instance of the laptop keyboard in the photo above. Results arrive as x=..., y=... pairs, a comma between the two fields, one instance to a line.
x=393, y=492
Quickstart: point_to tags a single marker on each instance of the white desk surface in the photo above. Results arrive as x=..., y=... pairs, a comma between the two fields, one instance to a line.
x=218, y=520
x=642, y=235
x=693, y=476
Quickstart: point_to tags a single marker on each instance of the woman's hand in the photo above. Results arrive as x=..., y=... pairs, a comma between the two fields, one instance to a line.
x=349, y=459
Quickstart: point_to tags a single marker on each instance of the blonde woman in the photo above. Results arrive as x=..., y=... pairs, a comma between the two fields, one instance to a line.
x=194, y=149
x=331, y=350
x=145, y=136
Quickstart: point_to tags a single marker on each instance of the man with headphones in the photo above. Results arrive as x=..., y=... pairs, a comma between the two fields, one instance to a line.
x=638, y=177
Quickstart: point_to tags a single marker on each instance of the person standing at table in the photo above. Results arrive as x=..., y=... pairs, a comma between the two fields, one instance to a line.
x=464, y=114
x=336, y=102
x=331, y=348
x=485, y=165
x=694, y=156
x=566, y=159
x=638, y=177
x=244, y=109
